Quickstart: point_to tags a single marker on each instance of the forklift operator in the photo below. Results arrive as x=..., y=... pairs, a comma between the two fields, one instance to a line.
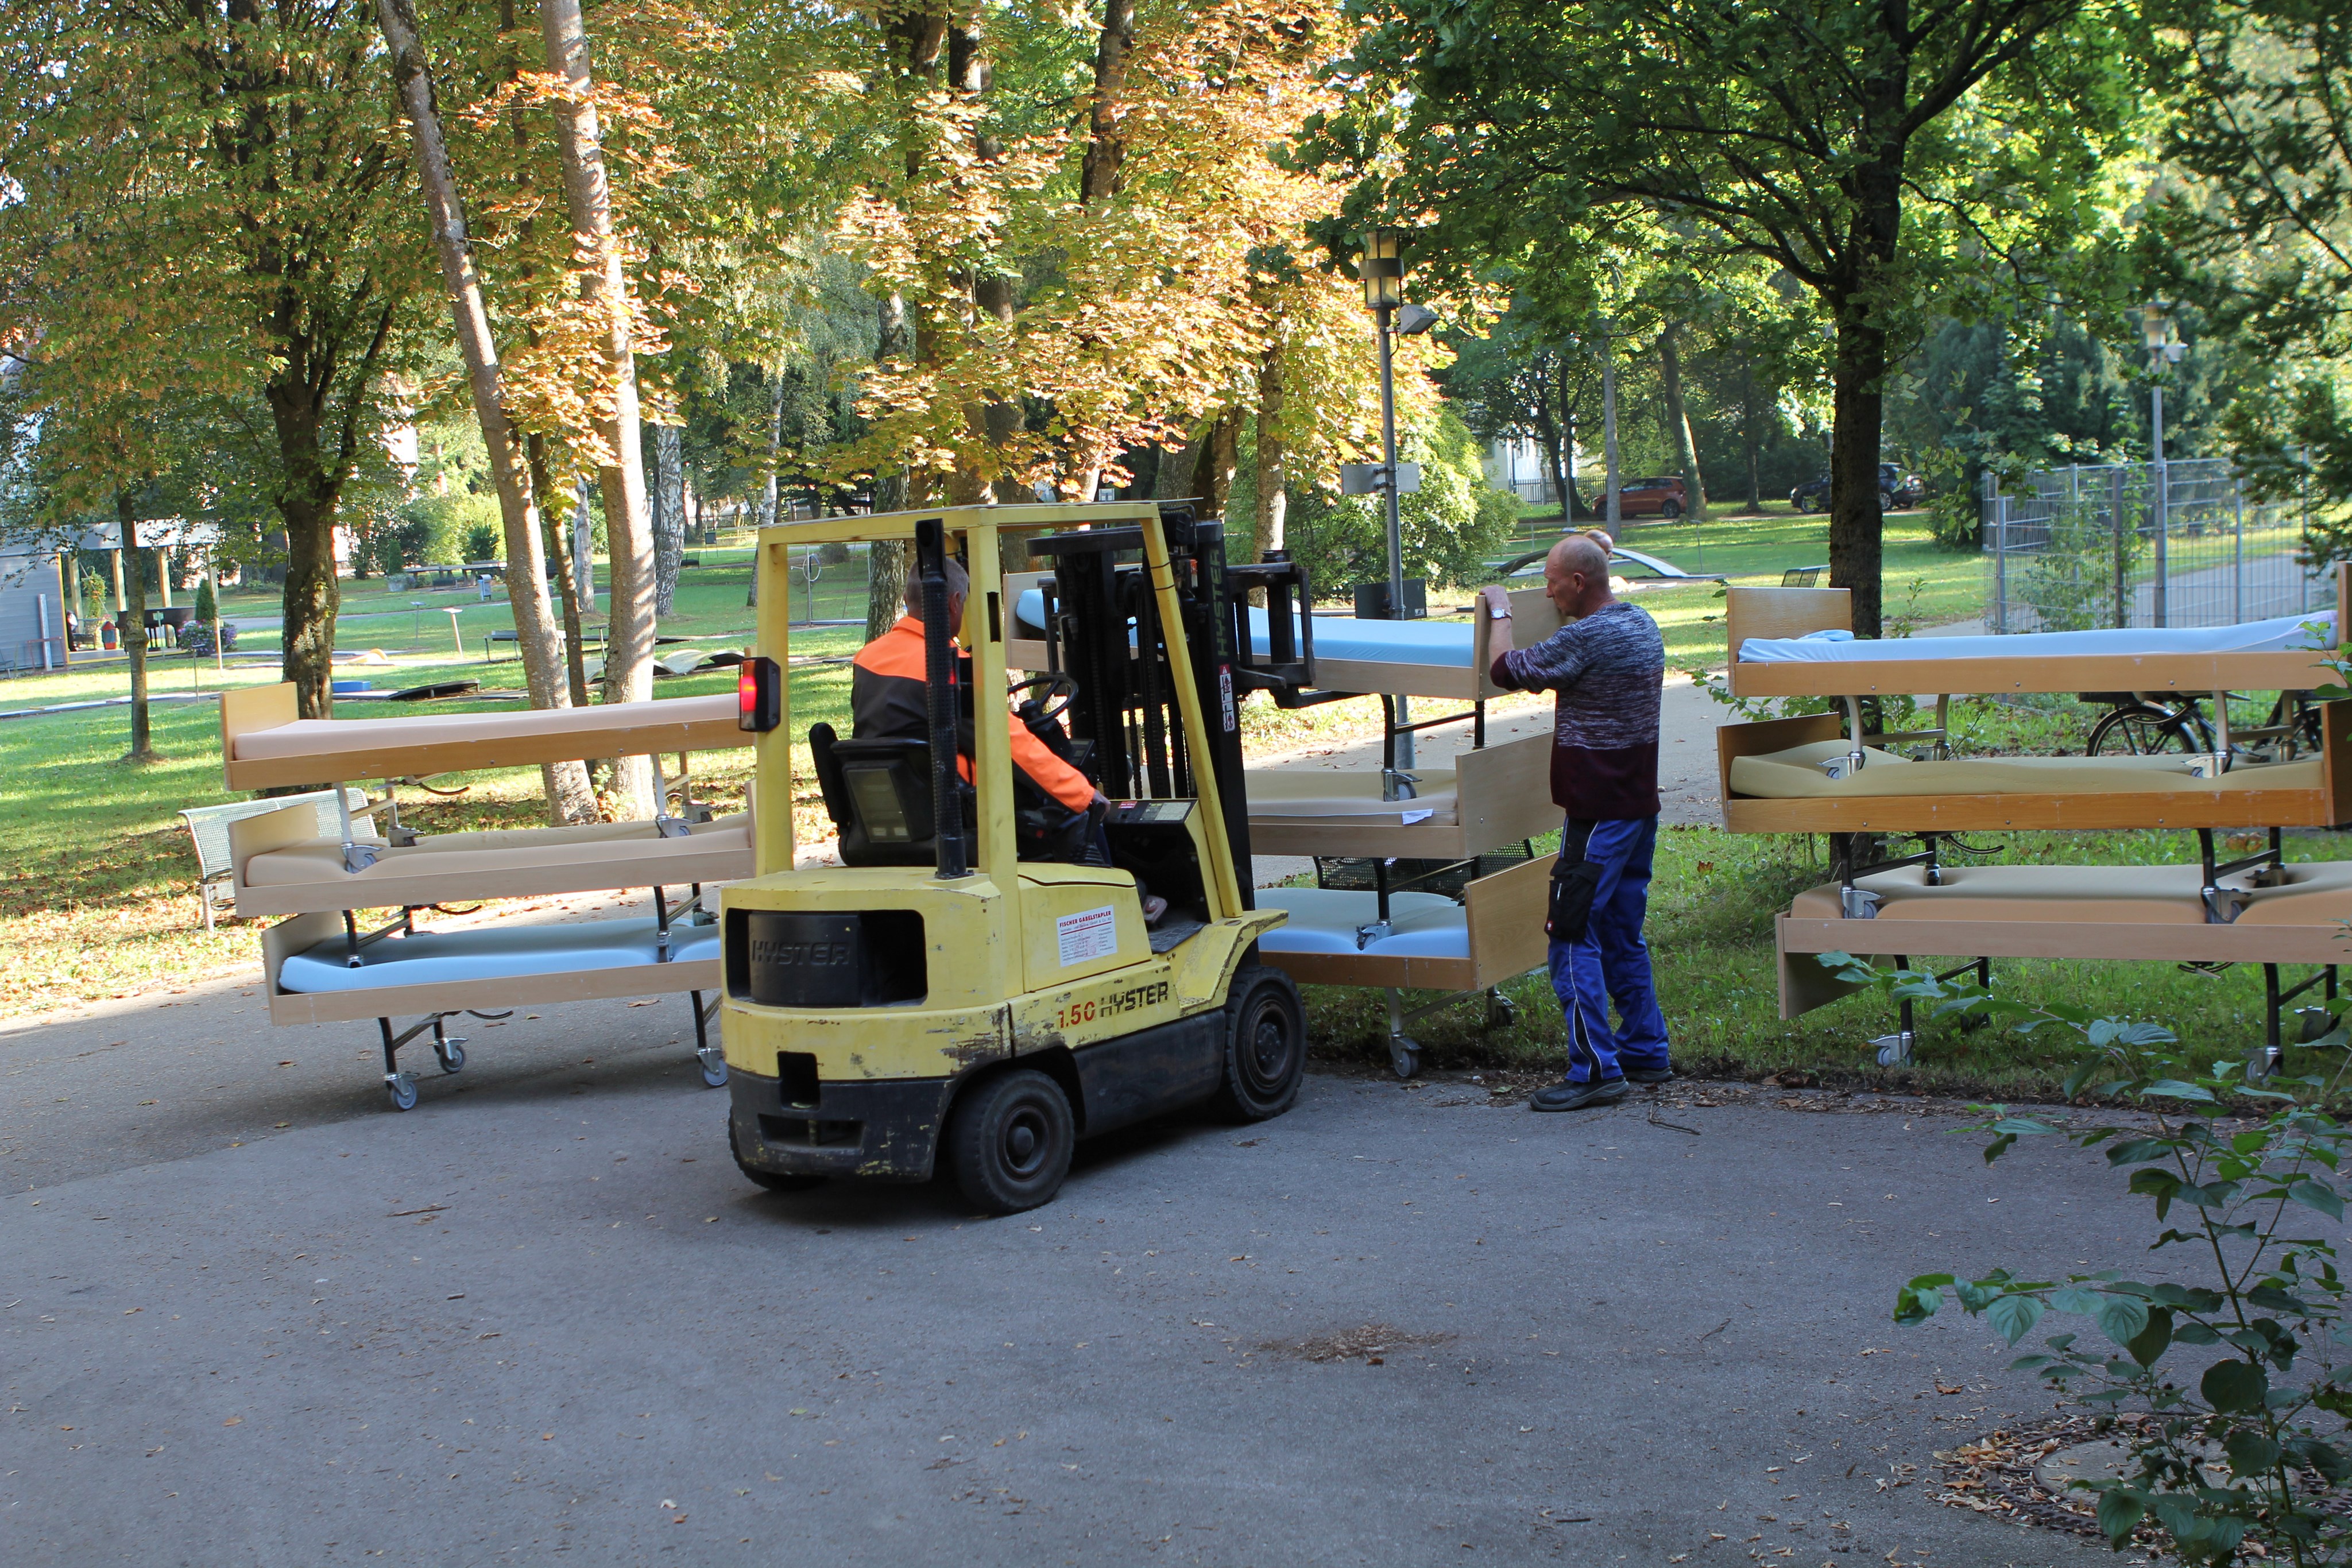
x=887, y=701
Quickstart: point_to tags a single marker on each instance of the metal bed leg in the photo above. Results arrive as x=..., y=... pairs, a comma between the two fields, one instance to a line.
x=1894, y=1049
x=712, y=1059
x=449, y=1048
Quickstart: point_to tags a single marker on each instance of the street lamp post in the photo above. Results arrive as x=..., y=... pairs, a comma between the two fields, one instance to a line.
x=1382, y=270
x=2156, y=331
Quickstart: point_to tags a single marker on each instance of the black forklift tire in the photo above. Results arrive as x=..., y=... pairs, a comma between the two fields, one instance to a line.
x=1265, y=1045
x=774, y=1181
x=1009, y=1141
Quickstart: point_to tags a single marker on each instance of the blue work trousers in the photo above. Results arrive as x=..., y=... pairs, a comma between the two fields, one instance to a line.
x=1610, y=962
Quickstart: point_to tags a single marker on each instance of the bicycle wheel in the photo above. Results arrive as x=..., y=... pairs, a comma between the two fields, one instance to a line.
x=2139, y=730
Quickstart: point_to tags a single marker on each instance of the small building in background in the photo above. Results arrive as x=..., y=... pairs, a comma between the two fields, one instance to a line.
x=33, y=604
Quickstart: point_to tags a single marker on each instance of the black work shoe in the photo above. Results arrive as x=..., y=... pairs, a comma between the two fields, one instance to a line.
x=1649, y=1075
x=1567, y=1096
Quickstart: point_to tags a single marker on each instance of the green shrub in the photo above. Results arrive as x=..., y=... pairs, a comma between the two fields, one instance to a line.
x=1451, y=527
x=207, y=606
x=483, y=543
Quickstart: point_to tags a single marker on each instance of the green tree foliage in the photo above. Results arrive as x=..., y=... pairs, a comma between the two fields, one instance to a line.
x=1884, y=157
x=202, y=219
x=2256, y=226
x=1452, y=527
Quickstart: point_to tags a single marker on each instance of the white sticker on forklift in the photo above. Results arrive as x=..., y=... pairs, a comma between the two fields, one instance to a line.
x=1088, y=934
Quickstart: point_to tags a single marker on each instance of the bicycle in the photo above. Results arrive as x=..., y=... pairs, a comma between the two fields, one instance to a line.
x=2143, y=724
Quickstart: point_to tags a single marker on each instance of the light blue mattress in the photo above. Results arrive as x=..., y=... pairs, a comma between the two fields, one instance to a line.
x=1440, y=642
x=493, y=953
x=1325, y=920
x=2285, y=634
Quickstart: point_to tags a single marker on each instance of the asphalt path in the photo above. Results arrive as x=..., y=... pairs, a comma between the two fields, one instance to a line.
x=251, y=1317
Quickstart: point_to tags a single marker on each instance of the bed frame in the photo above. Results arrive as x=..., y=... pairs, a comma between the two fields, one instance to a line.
x=1502, y=794
x=433, y=1005
x=551, y=863
x=1505, y=925
x=2325, y=806
x=1768, y=613
x=1989, y=929
x=337, y=751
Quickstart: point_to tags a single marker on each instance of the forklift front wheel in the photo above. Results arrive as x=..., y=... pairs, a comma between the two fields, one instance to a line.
x=774, y=1181
x=1009, y=1141
x=1265, y=1045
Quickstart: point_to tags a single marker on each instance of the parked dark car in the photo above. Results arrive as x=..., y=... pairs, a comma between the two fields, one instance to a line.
x=1896, y=490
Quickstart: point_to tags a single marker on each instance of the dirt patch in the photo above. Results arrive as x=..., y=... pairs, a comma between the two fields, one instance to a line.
x=1372, y=1344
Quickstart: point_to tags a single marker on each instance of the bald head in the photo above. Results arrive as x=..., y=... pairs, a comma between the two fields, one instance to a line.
x=1576, y=576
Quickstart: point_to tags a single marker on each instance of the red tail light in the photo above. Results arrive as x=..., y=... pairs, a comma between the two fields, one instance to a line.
x=759, y=695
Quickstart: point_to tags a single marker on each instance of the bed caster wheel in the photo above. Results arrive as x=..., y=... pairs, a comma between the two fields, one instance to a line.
x=1405, y=1056
x=1501, y=1011
x=714, y=1066
x=451, y=1054
x=1893, y=1049
x=402, y=1090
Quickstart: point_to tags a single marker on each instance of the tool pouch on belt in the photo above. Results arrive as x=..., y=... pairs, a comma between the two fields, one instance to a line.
x=1570, y=915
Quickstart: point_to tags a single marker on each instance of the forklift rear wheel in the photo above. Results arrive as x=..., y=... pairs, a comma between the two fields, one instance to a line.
x=774, y=1181
x=1009, y=1140
x=1265, y=1045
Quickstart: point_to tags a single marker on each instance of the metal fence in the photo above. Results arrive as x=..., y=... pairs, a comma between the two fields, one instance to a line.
x=2177, y=544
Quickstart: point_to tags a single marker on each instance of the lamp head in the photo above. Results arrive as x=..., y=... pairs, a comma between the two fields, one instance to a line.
x=1414, y=319
x=1382, y=269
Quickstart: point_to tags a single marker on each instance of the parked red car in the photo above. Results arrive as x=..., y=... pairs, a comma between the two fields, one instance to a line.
x=1661, y=496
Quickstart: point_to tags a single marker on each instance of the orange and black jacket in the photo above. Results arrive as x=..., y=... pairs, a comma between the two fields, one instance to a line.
x=887, y=700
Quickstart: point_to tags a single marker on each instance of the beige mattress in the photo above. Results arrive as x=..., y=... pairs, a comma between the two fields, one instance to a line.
x=520, y=863
x=1295, y=797
x=1796, y=774
x=325, y=737
x=2317, y=893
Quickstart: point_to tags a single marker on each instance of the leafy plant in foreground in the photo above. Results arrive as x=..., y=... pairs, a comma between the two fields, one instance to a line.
x=2247, y=1441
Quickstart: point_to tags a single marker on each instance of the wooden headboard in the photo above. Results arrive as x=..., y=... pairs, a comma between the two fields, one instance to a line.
x=1782, y=613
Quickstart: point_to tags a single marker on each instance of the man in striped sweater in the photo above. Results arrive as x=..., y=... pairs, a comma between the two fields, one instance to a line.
x=1607, y=666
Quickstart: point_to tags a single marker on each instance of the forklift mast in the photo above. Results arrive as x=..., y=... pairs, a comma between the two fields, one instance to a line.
x=1103, y=628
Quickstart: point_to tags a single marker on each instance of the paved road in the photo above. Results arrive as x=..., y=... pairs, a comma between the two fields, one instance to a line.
x=252, y=1318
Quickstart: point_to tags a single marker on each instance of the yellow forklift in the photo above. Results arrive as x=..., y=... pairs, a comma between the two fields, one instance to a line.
x=939, y=999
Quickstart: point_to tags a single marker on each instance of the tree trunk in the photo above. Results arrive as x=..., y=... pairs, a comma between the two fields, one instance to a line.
x=668, y=488
x=1273, y=458
x=569, y=797
x=583, y=550
x=1099, y=177
x=1219, y=459
x=307, y=607
x=628, y=544
x=769, y=493
x=1855, y=522
x=132, y=625
x=1611, y=519
x=1747, y=437
x=575, y=670
x=1678, y=429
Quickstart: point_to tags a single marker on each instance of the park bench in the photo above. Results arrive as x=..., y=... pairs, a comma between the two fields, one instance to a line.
x=208, y=826
x=591, y=633
x=1802, y=576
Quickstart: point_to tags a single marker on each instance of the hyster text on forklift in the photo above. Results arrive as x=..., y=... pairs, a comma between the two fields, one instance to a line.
x=937, y=996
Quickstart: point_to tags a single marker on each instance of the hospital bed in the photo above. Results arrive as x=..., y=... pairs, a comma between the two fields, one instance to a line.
x=2289, y=916
x=1832, y=774
x=320, y=965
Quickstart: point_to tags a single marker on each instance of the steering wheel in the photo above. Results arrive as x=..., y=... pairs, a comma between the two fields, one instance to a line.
x=1055, y=690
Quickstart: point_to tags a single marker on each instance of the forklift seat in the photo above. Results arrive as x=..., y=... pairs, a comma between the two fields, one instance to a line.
x=878, y=793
